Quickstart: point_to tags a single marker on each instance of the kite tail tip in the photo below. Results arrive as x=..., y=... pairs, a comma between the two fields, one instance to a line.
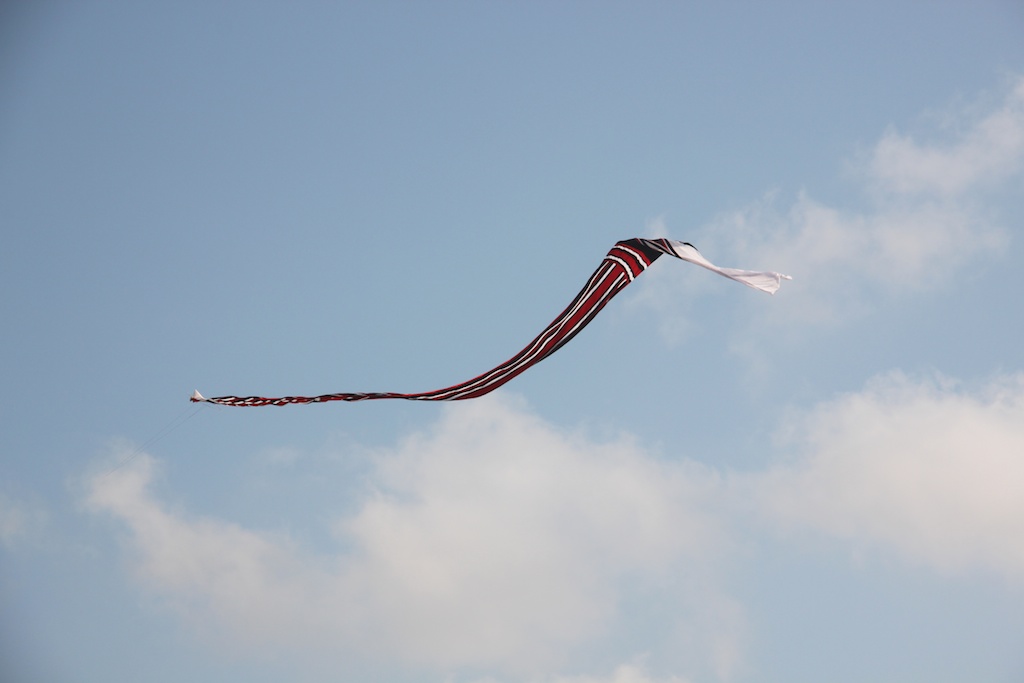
x=197, y=397
x=774, y=284
x=779, y=277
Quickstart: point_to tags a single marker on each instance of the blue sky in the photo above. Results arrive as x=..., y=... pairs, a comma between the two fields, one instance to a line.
x=708, y=484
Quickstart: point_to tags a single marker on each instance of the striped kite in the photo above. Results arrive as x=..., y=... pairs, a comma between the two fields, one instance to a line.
x=623, y=264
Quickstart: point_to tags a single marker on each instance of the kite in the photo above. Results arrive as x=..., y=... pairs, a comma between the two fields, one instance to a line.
x=623, y=264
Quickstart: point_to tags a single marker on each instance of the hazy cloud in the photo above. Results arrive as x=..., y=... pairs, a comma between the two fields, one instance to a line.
x=923, y=469
x=990, y=149
x=494, y=539
x=920, y=226
x=497, y=541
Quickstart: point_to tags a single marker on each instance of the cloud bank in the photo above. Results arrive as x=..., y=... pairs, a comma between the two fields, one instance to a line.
x=496, y=541
x=493, y=540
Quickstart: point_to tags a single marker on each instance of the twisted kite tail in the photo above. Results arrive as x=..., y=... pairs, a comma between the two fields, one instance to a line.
x=623, y=264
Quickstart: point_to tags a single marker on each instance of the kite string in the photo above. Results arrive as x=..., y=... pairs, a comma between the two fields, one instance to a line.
x=181, y=419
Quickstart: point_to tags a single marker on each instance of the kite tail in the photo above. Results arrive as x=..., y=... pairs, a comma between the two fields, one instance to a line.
x=766, y=281
x=623, y=264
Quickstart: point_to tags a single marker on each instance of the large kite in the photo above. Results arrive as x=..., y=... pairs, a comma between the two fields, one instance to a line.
x=622, y=265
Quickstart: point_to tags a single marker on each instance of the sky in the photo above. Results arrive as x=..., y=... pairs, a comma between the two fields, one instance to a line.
x=707, y=485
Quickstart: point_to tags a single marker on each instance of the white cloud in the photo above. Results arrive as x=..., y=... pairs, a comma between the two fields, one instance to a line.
x=920, y=226
x=497, y=542
x=844, y=261
x=991, y=149
x=520, y=526
x=207, y=567
x=493, y=540
x=923, y=469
